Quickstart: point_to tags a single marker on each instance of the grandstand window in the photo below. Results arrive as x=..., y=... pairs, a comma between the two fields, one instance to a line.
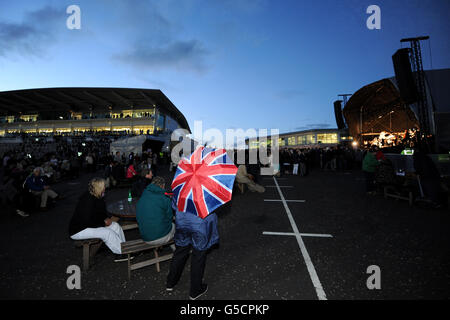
x=46, y=130
x=301, y=140
x=62, y=130
x=327, y=138
x=76, y=116
x=31, y=117
x=311, y=139
x=281, y=142
x=291, y=141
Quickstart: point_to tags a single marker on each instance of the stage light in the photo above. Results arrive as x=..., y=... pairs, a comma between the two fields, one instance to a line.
x=355, y=144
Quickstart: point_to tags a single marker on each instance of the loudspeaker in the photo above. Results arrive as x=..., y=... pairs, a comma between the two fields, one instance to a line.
x=404, y=76
x=338, y=114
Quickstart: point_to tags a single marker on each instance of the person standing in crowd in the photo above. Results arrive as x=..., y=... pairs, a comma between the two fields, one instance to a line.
x=295, y=162
x=369, y=166
x=109, y=175
x=131, y=157
x=143, y=180
x=91, y=219
x=118, y=157
x=74, y=167
x=196, y=235
x=302, y=163
x=154, y=214
x=90, y=163
x=39, y=187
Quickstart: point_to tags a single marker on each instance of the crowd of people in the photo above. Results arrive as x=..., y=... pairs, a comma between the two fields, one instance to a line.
x=302, y=161
x=30, y=164
x=29, y=169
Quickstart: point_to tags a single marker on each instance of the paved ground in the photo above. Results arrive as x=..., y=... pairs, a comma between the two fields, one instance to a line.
x=410, y=245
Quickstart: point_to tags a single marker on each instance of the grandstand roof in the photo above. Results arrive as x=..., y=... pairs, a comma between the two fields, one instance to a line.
x=78, y=99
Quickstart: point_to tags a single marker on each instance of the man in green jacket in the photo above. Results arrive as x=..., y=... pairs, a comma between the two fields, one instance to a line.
x=154, y=214
x=369, y=166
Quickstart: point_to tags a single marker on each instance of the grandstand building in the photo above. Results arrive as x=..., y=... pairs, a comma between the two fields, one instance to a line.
x=77, y=111
x=314, y=138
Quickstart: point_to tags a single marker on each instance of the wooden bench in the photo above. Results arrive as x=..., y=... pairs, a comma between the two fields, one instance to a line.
x=129, y=225
x=391, y=191
x=139, y=245
x=90, y=248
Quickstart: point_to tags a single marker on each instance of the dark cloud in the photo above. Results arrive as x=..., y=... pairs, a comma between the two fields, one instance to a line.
x=182, y=55
x=31, y=36
x=153, y=40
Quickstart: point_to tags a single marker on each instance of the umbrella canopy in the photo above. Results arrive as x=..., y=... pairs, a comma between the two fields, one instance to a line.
x=204, y=181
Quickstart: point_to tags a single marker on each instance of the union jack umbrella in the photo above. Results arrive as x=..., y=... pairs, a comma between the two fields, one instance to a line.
x=204, y=181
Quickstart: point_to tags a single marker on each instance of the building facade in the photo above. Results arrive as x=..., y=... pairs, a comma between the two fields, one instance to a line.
x=80, y=110
x=315, y=138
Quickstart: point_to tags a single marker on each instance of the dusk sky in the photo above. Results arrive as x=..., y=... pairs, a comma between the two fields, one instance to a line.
x=230, y=63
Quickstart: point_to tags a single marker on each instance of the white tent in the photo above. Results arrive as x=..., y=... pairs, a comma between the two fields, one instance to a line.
x=128, y=145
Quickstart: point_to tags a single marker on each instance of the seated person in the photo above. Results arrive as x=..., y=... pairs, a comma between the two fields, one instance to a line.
x=131, y=172
x=154, y=214
x=91, y=220
x=141, y=183
x=37, y=185
x=243, y=177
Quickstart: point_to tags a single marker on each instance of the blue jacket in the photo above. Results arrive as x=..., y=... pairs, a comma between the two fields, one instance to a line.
x=202, y=234
x=35, y=183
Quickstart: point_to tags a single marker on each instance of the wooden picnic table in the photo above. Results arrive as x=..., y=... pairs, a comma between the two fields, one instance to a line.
x=125, y=211
x=123, y=208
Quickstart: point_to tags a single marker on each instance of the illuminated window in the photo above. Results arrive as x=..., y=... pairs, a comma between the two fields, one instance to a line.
x=281, y=142
x=62, y=130
x=327, y=138
x=311, y=139
x=77, y=116
x=291, y=141
x=27, y=118
x=302, y=140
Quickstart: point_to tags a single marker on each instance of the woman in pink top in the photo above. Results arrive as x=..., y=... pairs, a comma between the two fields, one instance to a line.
x=130, y=171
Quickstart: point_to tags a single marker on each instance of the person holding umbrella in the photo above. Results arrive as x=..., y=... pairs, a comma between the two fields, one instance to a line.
x=202, y=184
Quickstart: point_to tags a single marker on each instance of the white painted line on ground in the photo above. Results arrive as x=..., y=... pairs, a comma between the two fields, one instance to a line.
x=276, y=200
x=318, y=235
x=312, y=271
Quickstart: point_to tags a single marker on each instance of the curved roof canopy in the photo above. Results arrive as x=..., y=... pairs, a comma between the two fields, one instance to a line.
x=31, y=101
x=378, y=107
